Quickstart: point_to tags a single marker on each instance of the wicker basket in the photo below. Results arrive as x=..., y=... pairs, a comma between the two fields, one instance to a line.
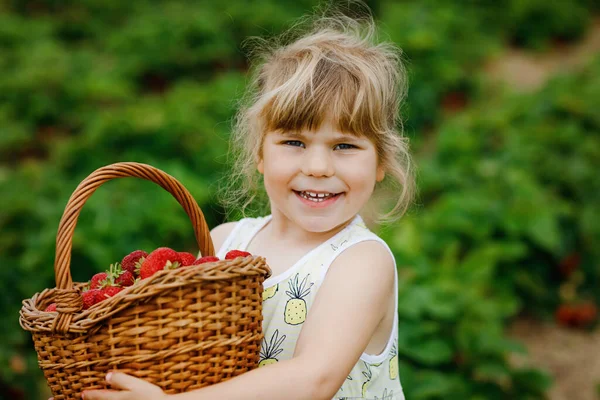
x=180, y=329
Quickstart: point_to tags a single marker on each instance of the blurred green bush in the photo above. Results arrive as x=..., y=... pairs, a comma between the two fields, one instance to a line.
x=507, y=186
x=508, y=191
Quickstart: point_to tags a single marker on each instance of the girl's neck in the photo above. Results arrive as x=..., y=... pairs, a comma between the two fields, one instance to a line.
x=281, y=229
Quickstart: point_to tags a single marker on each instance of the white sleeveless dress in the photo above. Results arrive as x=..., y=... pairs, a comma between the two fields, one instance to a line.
x=287, y=301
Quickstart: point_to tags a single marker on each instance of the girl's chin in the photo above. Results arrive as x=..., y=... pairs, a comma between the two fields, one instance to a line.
x=321, y=224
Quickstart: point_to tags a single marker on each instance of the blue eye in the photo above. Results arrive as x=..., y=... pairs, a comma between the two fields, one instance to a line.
x=294, y=143
x=345, y=146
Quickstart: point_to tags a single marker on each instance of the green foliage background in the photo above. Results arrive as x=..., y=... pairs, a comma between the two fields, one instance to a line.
x=507, y=181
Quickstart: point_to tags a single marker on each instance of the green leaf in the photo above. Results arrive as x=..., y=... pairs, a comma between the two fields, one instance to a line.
x=432, y=385
x=531, y=380
x=496, y=372
x=429, y=352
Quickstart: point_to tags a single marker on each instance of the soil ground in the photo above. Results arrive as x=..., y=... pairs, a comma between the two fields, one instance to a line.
x=570, y=356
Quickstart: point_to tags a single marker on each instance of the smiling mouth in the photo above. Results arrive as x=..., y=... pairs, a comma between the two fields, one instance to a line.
x=316, y=197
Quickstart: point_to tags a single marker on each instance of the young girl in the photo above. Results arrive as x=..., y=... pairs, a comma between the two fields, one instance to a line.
x=320, y=131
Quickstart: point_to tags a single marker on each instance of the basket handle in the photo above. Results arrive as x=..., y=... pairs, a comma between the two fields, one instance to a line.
x=64, y=238
x=68, y=299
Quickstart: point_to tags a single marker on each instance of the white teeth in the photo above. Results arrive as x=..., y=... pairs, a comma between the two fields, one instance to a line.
x=316, y=197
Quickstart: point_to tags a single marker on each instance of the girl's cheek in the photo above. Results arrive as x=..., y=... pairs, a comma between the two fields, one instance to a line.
x=361, y=172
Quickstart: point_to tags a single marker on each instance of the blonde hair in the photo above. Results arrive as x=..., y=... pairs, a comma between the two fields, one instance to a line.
x=333, y=69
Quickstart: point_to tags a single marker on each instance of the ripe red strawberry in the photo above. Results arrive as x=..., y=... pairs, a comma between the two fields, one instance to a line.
x=235, y=254
x=186, y=258
x=585, y=313
x=107, y=278
x=51, y=307
x=125, y=279
x=205, y=259
x=132, y=261
x=108, y=291
x=159, y=259
x=97, y=280
x=90, y=297
x=566, y=315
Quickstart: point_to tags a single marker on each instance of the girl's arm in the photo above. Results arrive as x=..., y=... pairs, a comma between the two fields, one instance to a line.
x=347, y=310
x=290, y=379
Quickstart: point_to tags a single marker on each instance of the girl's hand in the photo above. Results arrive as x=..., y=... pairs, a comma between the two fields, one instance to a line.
x=131, y=389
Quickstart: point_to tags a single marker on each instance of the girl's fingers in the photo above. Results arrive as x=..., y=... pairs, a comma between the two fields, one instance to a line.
x=101, y=395
x=119, y=380
x=131, y=388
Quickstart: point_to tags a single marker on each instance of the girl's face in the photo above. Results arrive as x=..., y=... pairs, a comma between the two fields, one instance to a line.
x=319, y=179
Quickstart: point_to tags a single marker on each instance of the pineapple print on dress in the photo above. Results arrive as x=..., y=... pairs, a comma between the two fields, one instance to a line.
x=269, y=351
x=270, y=292
x=348, y=378
x=369, y=375
x=295, y=308
x=394, y=362
x=386, y=395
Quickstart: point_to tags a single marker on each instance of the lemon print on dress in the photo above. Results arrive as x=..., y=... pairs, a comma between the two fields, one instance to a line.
x=394, y=362
x=295, y=308
x=270, y=292
x=270, y=350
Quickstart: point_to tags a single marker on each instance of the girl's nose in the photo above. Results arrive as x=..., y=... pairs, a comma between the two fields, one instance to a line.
x=317, y=162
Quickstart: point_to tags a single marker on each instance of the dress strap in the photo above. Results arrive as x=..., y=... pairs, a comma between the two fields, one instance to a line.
x=242, y=234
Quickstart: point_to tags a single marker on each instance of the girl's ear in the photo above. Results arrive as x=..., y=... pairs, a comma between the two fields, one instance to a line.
x=260, y=166
x=380, y=174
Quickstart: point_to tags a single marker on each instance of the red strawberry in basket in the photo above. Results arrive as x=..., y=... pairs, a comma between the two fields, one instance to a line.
x=51, y=308
x=235, y=254
x=186, y=258
x=132, y=261
x=126, y=278
x=160, y=259
x=90, y=297
x=98, y=279
x=205, y=259
x=108, y=291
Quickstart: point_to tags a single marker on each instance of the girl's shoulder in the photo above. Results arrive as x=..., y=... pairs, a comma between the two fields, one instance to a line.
x=220, y=233
x=358, y=232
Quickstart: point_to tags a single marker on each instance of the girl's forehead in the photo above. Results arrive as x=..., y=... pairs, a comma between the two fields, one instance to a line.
x=328, y=127
x=321, y=133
